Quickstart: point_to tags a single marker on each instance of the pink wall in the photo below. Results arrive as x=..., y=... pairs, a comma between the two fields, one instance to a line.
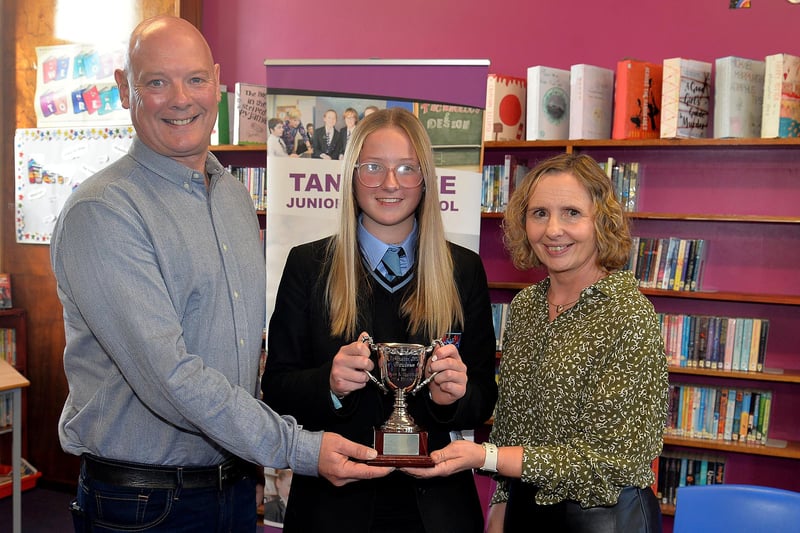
x=512, y=34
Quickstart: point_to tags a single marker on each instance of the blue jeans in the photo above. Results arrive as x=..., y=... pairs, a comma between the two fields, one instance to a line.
x=101, y=507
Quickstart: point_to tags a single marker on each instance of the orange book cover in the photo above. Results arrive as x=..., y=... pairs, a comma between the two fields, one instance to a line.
x=637, y=100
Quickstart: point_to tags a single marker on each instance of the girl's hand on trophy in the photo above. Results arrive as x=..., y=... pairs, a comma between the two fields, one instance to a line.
x=350, y=367
x=450, y=383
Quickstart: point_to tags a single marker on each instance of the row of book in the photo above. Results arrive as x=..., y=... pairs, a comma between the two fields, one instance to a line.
x=681, y=470
x=694, y=341
x=499, y=181
x=715, y=413
x=668, y=263
x=255, y=179
x=643, y=99
x=8, y=345
x=715, y=342
x=625, y=179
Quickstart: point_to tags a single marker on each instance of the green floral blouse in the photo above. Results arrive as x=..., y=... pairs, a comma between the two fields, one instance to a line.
x=585, y=394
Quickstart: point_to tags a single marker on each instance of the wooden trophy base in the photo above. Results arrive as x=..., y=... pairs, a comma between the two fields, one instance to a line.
x=401, y=449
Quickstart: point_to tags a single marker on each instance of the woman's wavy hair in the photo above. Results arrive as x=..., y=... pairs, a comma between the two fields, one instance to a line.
x=611, y=227
x=433, y=305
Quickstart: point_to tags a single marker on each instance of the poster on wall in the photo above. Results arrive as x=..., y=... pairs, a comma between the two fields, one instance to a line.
x=303, y=192
x=50, y=163
x=75, y=86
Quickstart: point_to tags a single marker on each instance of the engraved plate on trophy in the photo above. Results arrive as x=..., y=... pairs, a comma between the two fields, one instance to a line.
x=400, y=441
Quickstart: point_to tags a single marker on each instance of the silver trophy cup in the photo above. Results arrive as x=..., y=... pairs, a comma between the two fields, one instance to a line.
x=400, y=441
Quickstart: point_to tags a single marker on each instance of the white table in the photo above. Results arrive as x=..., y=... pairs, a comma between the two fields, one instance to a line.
x=13, y=381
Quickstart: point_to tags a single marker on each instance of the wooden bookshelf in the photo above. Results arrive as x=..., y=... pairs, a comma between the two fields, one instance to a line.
x=785, y=449
x=724, y=296
x=777, y=375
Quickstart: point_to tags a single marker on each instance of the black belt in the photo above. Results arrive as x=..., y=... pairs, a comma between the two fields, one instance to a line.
x=136, y=475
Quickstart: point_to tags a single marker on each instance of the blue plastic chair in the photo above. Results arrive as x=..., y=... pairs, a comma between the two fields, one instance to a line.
x=735, y=508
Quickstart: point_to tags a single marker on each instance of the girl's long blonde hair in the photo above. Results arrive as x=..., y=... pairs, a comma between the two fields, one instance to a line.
x=434, y=305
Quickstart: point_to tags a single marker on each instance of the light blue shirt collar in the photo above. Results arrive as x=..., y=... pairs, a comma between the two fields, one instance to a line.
x=373, y=248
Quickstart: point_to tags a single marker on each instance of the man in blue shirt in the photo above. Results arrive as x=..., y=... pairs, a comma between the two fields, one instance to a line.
x=160, y=272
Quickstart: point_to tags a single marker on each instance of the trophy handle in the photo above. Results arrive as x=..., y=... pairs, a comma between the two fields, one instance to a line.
x=366, y=339
x=436, y=343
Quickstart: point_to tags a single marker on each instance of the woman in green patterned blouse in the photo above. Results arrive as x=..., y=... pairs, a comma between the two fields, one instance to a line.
x=583, y=378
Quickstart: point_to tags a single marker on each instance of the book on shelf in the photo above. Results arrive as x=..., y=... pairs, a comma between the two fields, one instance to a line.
x=637, y=100
x=755, y=339
x=721, y=343
x=667, y=263
x=715, y=342
x=723, y=413
x=699, y=253
x=499, y=181
x=547, y=104
x=712, y=355
x=764, y=425
x=747, y=340
x=691, y=265
x=685, y=98
x=681, y=276
x=780, y=114
x=505, y=114
x=660, y=263
x=727, y=431
x=715, y=413
x=739, y=341
x=669, y=267
x=752, y=419
x=5, y=291
x=730, y=343
x=591, y=101
x=744, y=417
x=698, y=357
x=490, y=189
x=762, y=345
x=738, y=97
x=221, y=134
x=249, y=114
x=625, y=179
x=698, y=407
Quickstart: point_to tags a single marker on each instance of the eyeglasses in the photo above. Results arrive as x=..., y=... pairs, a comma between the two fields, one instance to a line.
x=372, y=174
